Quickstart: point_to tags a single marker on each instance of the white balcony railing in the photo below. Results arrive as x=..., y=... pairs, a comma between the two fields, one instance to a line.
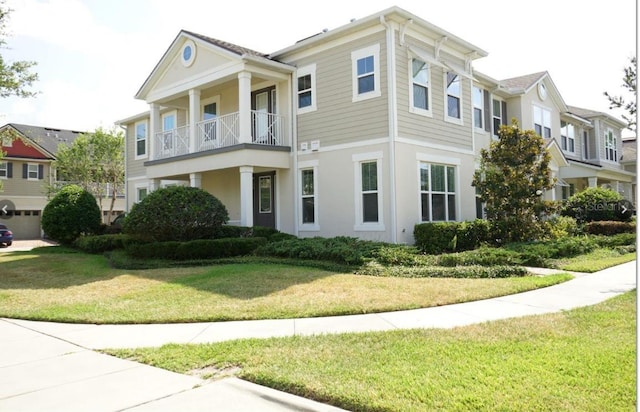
x=223, y=131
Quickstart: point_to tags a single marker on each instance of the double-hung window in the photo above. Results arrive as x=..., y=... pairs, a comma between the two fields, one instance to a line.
x=499, y=116
x=307, y=89
x=568, y=137
x=4, y=170
x=454, y=95
x=478, y=107
x=366, y=72
x=610, y=146
x=368, y=191
x=542, y=121
x=420, y=79
x=437, y=192
x=141, y=139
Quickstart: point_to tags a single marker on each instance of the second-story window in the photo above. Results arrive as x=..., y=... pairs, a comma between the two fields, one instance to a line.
x=542, y=121
x=454, y=93
x=568, y=137
x=5, y=170
x=420, y=83
x=306, y=88
x=32, y=171
x=610, y=146
x=499, y=116
x=141, y=139
x=366, y=72
x=478, y=107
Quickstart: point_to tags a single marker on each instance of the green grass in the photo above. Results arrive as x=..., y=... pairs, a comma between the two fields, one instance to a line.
x=578, y=360
x=77, y=287
x=595, y=261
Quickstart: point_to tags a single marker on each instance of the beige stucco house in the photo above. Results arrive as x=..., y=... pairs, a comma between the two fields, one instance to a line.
x=26, y=173
x=364, y=130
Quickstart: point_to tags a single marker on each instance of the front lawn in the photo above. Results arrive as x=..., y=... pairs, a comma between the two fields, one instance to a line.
x=78, y=287
x=578, y=360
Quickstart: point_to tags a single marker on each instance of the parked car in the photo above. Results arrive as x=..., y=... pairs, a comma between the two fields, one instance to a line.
x=6, y=236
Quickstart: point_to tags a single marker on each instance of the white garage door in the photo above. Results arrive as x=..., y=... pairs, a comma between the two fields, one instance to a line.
x=25, y=224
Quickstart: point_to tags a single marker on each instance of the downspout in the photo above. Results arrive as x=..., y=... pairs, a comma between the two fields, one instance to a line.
x=294, y=151
x=393, y=124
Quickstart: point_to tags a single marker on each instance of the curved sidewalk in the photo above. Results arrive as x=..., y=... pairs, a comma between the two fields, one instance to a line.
x=53, y=367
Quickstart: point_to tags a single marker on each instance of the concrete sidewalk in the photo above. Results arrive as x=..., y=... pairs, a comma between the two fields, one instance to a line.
x=51, y=366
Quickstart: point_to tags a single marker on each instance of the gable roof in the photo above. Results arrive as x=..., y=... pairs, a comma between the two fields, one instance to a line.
x=590, y=114
x=525, y=82
x=234, y=48
x=47, y=139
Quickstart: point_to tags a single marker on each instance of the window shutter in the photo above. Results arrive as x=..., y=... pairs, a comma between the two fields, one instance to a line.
x=9, y=170
x=505, y=119
x=25, y=171
x=487, y=111
x=40, y=172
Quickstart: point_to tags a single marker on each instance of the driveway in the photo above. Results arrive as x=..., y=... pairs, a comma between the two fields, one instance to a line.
x=20, y=245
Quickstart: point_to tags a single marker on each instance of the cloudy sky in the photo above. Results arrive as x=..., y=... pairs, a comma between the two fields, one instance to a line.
x=93, y=55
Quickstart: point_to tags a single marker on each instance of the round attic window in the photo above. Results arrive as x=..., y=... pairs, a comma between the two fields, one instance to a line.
x=188, y=53
x=542, y=91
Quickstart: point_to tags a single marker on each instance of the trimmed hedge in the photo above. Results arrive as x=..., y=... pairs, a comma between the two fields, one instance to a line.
x=609, y=227
x=441, y=237
x=195, y=249
x=466, y=272
x=101, y=243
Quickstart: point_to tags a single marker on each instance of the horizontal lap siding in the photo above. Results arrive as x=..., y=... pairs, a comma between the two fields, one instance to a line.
x=433, y=130
x=338, y=119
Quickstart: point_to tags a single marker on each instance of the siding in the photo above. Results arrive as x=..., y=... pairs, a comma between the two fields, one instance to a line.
x=338, y=119
x=433, y=129
x=18, y=186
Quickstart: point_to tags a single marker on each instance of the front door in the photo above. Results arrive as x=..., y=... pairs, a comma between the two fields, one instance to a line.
x=263, y=103
x=264, y=203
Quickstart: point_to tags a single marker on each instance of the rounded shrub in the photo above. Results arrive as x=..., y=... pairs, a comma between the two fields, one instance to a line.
x=595, y=204
x=71, y=213
x=177, y=213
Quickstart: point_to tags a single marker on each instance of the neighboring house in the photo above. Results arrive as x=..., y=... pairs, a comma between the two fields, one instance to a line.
x=26, y=172
x=364, y=130
x=629, y=161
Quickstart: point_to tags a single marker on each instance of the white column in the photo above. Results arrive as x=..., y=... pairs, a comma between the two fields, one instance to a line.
x=244, y=107
x=194, y=116
x=246, y=196
x=154, y=127
x=593, y=181
x=154, y=184
x=195, y=180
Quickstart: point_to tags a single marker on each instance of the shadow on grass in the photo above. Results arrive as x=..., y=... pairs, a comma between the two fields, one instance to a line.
x=240, y=278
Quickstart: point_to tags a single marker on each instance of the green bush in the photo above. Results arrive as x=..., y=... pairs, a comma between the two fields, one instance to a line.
x=345, y=250
x=440, y=237
x=177, y=213
x=235, y=231
x=608, y=228
x=195, y=249
x=397, y=255
x=467, y=272
x=101, y=243
x=561, y=226
x=595, y=204
x=538, y=253
x=612, y=241
x=71, y=213
x=485, y=256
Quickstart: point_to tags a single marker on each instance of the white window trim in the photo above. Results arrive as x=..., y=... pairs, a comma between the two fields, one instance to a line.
x=315, y=226
x=360, y=225
x=374, y=51
x=474, y=107
x=304, y=71
x=562, y=130
x=6, y=142
x=4, y=166
x=615, y=147
x=139, y=186
x=29, y=172
x=204, y=102
x=448, y=118
x=146, y=140
x=412, y=108
x=173, y=113
x=439, y=161
x=495, y=135
x=542, y=123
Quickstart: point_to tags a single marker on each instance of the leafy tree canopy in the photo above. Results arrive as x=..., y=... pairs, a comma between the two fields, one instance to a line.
x=629, y=83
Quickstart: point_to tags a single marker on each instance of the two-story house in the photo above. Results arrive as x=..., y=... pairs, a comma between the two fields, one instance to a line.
x=364, y=130
x=26, y=174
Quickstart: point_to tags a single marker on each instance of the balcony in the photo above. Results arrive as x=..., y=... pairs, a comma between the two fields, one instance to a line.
x=267, y=129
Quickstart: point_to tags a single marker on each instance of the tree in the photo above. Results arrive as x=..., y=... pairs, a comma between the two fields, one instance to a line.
x=617, y=102
x=15, y=78
x=513, y=175
x=71, y=213
x=95, y=162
